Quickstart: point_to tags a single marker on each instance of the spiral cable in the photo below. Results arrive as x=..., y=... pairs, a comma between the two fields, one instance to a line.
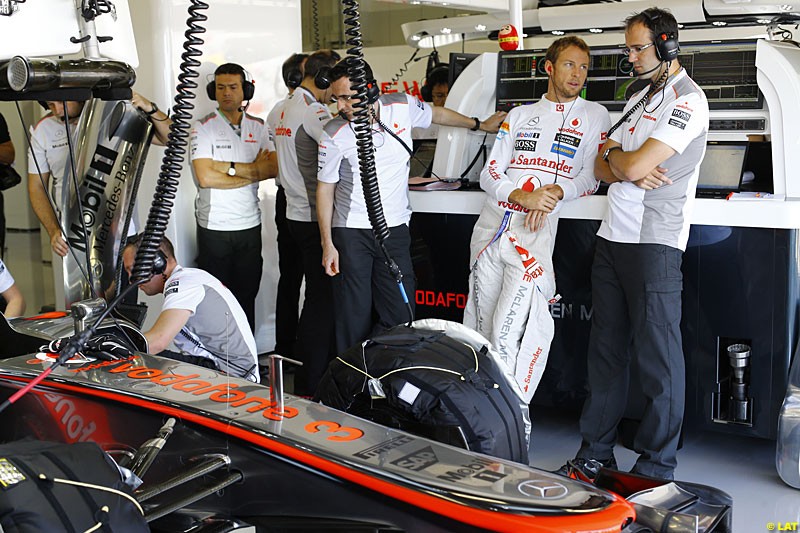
x=364, y=145
x=653, y=90
x=405, y=67
x=171, y=165
x=315, y=23
x=361, y=126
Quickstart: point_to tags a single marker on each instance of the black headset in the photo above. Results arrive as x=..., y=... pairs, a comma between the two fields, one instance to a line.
x=294, y=77
x=159, y=260
x=441, y=70
x=322, y=79
x=325, y=77
x=666, y=41
x=248, y=86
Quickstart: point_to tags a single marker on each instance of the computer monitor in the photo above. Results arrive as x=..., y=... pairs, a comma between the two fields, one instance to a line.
x=726, y=71
x=422, y=161
x=722, y=167
x=458, y=62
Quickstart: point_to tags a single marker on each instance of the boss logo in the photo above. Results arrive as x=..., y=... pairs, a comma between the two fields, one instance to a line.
x=525, y=145
x=683, y=115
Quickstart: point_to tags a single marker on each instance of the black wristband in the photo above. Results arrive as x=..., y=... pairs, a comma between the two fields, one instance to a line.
x=152, y=111
x=477, y=125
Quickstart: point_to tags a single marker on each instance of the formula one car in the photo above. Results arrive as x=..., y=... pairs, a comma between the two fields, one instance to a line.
x=240, y=454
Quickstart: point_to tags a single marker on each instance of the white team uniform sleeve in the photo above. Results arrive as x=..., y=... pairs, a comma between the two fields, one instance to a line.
x=682, y=121
x=494, y=179
x=201, y=144
x=585, y=183
x=314, y=120
x=37, y=152
x=275, y=113
x=267, y=138
x=180, y=295
x=6, y=279
x=420, y=113
x=328, y=159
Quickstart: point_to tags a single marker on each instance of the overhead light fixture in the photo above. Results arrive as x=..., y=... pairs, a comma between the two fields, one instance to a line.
x=595, y=30
x=557, y=32
x=446, y=31
x=719, y=23
x=763, y=21
x=416, y=37
x=680, y=26
x=415, y=2
x=480, y=27
x=786, y=7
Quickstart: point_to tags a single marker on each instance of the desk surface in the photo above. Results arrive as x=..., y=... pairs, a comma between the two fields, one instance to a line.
x=767, y=213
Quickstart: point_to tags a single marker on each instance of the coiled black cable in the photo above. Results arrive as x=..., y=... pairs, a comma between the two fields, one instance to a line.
x=364, y=145
x=404, y=68
x=361, y=126
x=652, y=90
x=167, y=185
x=315, y=23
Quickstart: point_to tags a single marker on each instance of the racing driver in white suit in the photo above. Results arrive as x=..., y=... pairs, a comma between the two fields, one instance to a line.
x=544, y=154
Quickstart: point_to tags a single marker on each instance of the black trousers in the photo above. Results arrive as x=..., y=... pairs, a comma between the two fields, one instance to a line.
x=290, y=267
x=636, y=296
x=364, y=285
x=2, y=226
x=314, y=347
x=234, y=258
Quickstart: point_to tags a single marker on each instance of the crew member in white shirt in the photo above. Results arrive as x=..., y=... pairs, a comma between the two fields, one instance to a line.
x=231, y=152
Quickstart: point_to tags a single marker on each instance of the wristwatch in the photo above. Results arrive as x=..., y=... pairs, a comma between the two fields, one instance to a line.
x=232, y=169
x=153, y=111
x=609, y=150
x=477, y=125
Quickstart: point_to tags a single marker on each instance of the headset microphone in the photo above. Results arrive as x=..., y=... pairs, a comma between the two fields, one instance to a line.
x=632, y=73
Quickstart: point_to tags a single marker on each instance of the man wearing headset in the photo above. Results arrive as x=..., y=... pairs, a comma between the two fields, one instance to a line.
x=544, y=155
x=231, y=152
x=290, y=260
x=297, y=135
x=200, y=316
x=652, y=161
x=361, y=283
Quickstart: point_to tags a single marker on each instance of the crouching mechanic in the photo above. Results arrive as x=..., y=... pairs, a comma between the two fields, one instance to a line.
x=200, y=316
x=544, y=154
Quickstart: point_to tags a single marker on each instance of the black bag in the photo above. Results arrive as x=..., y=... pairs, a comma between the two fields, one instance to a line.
x=29, y=504
x=452, y=395
x=8, y=177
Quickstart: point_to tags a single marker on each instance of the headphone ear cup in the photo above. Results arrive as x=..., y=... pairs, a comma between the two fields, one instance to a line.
x=373, y=92
x=322, y=79
x=211, y=90
x=248, y=89
x=159, y=262
x=426, y=92
x=667, y=47
x=294, y=78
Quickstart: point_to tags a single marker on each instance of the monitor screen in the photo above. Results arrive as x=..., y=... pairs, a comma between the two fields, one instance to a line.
x=726, y=72
x=722, y=165
x=422, y=161
x=458, y=62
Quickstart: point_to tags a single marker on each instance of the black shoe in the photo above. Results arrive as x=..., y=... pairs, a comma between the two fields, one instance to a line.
x=586, y=469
